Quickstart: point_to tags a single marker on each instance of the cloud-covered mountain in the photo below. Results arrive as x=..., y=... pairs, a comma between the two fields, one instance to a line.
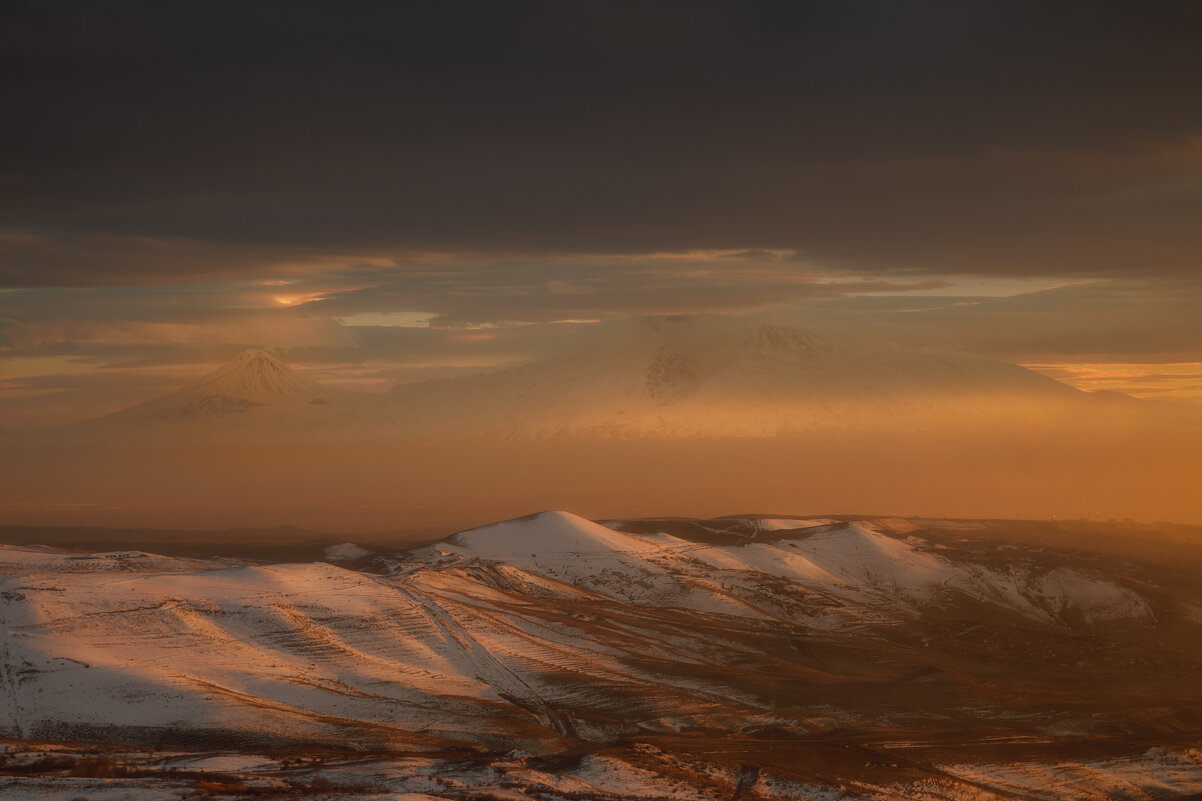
x=715, y=377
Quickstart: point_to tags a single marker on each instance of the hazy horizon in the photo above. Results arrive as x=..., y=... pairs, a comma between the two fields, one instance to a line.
x=468, y=216
x=677, y=416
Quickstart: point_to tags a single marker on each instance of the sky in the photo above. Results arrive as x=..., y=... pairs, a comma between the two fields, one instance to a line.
x=384, y=192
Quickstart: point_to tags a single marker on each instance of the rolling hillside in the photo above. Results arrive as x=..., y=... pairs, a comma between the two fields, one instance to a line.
x=552, y=634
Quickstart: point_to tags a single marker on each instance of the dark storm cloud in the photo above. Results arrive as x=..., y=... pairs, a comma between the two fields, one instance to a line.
x=931, y=136
x=315, y=310
x=69, y=259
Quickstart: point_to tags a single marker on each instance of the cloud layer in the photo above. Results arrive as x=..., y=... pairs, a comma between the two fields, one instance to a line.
x=388, y=192
x=1010, y=138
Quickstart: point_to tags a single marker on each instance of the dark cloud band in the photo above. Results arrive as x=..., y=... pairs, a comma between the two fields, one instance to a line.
x=926, y=136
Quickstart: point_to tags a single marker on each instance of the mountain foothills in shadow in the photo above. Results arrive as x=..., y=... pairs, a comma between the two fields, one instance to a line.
x=551, y=657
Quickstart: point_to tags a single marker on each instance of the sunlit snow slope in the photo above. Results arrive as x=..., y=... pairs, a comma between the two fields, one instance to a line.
x=552, y=629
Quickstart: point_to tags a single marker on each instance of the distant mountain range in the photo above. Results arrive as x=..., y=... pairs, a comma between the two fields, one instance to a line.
x=686, y=414
x=659, y=377
x=723, y=377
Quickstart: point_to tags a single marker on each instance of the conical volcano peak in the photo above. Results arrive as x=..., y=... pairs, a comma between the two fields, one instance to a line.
x=253, y=355
x=257, y=376
x=254, y=386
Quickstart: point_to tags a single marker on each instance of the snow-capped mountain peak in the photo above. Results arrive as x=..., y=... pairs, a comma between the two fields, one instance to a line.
x=254, y=379
x=259, y=377
x=253, y=396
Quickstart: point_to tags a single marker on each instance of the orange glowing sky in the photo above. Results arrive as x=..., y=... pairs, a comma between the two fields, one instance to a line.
x=75, y=353
x=1180, y=381
x=430, y=191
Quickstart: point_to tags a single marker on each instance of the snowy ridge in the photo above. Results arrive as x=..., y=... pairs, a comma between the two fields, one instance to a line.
x=19, y=560
x=551, y=632
x=561, y=532
x=851, y=561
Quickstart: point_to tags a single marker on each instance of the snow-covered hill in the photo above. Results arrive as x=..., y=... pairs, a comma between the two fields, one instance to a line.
x=537, y=629
x=862, y=570
x=553, y=634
